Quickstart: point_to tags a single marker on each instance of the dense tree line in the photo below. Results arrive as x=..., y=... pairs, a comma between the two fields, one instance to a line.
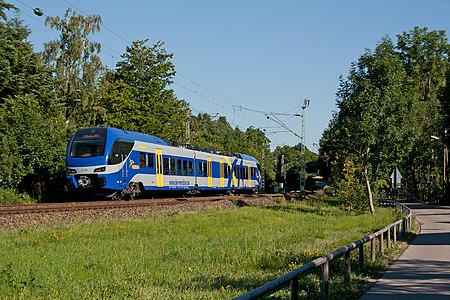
x=288, y=168
x=394, y=99
x=45, y=97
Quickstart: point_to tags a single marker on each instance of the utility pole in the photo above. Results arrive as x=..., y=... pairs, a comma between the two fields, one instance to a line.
x=274, y=118
x=303, y=149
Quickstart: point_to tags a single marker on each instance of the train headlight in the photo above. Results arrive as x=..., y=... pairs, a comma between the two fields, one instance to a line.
x=99, y=170
x=71, y=171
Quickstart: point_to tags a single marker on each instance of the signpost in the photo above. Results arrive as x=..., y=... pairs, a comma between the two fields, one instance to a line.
x=396, y=179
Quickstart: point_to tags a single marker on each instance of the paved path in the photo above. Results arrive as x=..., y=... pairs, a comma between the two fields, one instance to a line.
x=423, y=270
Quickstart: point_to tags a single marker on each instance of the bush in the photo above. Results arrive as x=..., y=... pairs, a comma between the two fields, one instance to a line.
x=8, y=196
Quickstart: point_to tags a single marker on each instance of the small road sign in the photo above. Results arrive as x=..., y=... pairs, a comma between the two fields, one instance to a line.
x=396, y=179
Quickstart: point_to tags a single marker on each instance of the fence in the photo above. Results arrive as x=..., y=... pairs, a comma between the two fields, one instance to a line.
x=388, y=233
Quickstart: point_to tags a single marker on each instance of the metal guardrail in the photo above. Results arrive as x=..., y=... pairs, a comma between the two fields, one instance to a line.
x=397, y=228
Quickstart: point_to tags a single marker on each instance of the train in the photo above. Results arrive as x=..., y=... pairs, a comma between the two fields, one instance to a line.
x=122, y=164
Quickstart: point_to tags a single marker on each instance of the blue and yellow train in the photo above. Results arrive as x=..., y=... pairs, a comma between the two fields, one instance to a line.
x=123, y=164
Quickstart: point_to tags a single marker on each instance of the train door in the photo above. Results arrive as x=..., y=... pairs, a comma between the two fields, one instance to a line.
x=194, y=170
x=249, y=169
x=209, y=171
x=222, y=180
x=159, y=168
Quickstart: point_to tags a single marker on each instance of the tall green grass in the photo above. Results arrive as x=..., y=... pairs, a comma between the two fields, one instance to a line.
x=217, y=254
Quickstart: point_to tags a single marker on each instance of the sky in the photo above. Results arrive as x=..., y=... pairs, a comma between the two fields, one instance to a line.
x=249, y=59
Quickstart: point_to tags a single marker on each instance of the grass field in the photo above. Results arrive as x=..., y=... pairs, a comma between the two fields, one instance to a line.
x=217, y=254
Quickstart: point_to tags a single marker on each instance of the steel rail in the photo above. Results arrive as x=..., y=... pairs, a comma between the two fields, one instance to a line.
x=96, y=205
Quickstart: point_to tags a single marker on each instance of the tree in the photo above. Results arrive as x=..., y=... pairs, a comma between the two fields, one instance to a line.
x=32, y=136
x=136, y=96
x=371, y=108
x=76, y=66
x=3, y=6
x=425, y=56
x=292, y=159
x=388, y=109
x=445, y=105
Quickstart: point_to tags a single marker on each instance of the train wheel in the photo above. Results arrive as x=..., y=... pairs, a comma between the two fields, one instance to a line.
x=116, y=196
x=134, y=190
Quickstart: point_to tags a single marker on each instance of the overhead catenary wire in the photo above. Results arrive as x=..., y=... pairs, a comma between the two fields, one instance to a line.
x=224, y=103
x=103, y=46
x=234, y=106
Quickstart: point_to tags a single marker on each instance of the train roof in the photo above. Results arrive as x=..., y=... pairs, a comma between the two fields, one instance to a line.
x=155, y=140
x=248, y=157
x=137, y=136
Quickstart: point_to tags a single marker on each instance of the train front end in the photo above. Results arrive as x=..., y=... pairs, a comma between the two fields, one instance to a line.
x=86, y=161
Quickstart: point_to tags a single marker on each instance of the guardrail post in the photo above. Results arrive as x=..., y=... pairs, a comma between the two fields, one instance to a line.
x=382, y=243
x=403, y=226
x=373, y=249
x=389, y=237
x=395, y=233
x=325, y=278
x=294, y=288
x=361, y=256
x=348, y=268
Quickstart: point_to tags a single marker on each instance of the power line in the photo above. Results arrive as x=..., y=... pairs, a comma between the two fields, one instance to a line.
x=236, y=108
x=212, y=99
x=116, y=34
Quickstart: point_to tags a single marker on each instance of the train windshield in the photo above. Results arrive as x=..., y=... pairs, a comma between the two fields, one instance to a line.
x=88, y=142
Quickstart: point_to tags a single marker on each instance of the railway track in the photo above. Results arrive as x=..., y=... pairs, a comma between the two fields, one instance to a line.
x=104, y=205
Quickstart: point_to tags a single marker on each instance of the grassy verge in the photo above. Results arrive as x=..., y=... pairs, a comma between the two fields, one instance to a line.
x=13, y=197
x=217, y=254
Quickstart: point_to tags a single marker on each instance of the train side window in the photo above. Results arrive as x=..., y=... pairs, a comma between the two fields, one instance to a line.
x=166, y=166
x=142, y=160
x=179, y=167
x=119, y=151
x=205, y=168
x=151, y=160
x=200, y=168
x=191, y=167
x=172, y=166
x=185, y=167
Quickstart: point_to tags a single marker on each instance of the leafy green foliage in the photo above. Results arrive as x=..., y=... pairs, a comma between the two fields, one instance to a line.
x=388, y=109
x=76, y=65
x=35, y=143
x=3, y=6
x=32, y=135
x=292, y=160
x=136, y=95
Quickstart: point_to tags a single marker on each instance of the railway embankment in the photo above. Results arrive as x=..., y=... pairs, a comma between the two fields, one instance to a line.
x=216, y=250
